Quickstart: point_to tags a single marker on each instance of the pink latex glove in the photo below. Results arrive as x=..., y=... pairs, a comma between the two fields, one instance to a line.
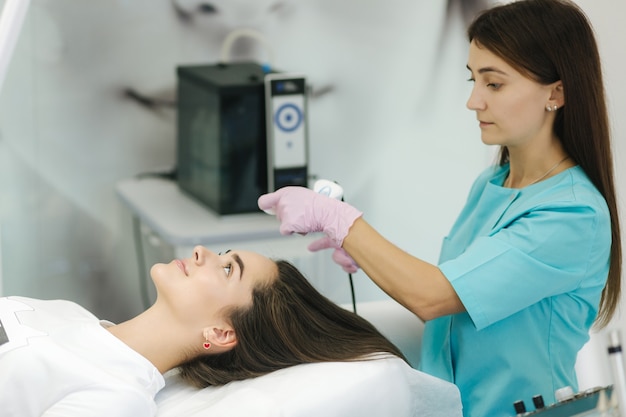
x=340, y=256
x=303, y=211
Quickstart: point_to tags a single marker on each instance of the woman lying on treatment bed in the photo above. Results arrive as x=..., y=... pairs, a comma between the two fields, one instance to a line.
x=219, y=317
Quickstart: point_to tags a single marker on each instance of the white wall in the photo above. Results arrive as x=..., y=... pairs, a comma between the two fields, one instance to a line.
x=394, y=77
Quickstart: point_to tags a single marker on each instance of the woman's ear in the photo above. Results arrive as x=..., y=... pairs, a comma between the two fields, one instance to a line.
x=222, y=336
x=557, y=97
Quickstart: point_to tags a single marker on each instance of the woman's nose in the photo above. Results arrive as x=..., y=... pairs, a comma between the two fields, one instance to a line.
x=474, y=102
x=200, y=254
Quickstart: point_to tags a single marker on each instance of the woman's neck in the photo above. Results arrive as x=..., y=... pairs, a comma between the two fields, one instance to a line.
x=528, y=168
x=153, y=335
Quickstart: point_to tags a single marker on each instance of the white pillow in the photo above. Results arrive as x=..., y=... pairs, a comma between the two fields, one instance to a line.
x=380, y=387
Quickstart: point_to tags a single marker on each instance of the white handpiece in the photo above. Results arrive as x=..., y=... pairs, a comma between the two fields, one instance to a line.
x=325, y=187
x=328, y=188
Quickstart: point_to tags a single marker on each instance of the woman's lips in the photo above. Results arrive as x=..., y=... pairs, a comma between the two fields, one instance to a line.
x=181, y=265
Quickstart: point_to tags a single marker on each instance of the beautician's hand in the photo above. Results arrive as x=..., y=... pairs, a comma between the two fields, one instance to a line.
x=303, y=211
x=340, y=256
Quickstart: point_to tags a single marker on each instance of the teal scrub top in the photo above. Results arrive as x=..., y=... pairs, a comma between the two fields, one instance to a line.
x=529, y=265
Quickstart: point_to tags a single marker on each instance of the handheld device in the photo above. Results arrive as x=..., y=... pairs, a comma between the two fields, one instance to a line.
x=286, y=112
x=325, y=187
x=333, y=190
x=328, y=188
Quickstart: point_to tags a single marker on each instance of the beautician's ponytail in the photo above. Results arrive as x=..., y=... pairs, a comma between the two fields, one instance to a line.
x=288, y=323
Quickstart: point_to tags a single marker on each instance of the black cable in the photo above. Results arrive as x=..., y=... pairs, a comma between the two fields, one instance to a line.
x=352, y=293
x=168, y=175
x=143, y=284
x=350, y=280
x=146, y=101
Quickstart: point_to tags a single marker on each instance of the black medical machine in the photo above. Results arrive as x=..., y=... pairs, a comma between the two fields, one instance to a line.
x=241, y=132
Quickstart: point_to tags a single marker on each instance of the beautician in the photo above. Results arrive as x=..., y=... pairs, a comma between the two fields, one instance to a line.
x=534, y=258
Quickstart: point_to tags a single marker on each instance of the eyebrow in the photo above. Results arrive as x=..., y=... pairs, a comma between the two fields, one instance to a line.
x=488, y=69
x=240, y=263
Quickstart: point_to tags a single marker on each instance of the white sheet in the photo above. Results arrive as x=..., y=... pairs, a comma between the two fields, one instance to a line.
x=376, y=388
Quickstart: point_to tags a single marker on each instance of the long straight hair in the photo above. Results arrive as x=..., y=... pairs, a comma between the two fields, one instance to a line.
x=551, y=40
x=288, y=323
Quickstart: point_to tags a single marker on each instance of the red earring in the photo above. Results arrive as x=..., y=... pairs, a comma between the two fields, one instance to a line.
x=206, y=344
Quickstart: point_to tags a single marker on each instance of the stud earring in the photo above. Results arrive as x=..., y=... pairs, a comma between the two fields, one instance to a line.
x=206, y=344
x=551, y=108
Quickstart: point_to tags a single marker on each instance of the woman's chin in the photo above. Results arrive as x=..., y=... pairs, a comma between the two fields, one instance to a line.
x=159, y=273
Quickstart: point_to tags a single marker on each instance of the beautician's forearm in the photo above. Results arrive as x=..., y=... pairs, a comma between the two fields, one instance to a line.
x=417, y=285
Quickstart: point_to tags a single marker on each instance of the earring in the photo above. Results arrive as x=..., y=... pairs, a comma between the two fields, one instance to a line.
x=551, y=108
x=206, y=344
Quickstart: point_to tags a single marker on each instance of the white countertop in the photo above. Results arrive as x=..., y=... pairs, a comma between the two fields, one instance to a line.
x=182, y=221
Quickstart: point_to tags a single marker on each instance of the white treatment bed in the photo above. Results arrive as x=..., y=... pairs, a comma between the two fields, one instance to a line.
x=376, y=388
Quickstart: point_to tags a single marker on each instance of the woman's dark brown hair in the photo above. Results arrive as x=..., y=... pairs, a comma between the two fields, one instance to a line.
x=548, y=41
x=288, y=323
